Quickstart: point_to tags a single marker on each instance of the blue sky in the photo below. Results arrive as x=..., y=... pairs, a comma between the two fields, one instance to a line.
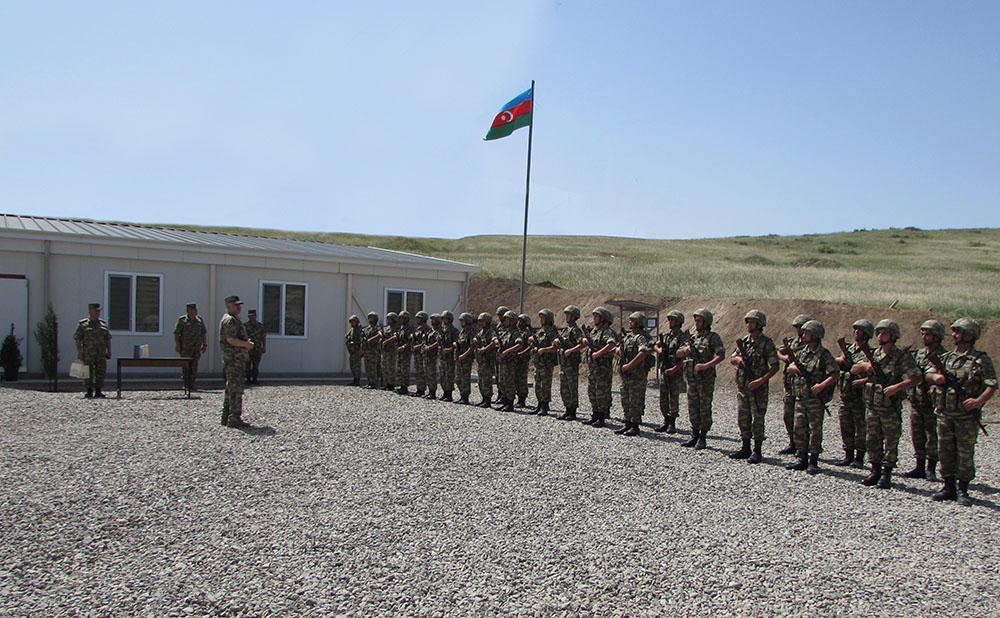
x=652, y=119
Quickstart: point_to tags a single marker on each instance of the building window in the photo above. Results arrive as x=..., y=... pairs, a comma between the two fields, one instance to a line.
x=283, y=308
x=398, y=300
x=132, y=302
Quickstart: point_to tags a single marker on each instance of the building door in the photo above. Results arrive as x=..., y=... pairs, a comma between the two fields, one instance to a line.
x=14, y=311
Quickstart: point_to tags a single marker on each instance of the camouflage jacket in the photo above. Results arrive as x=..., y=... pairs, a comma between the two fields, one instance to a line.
x=569, y=337
x=819, y=364
x=230, y=326
x=463, y=341
x=190, y=332
x=484, y=338
x=448, y=338
x=671, y=341
x=927, y=395
x=847, y=389
x=705, y=345
x=430, y=337
x=796, y=345
x=544, y=337
x=353, y=339
x=632, y=345
x=257, y=333
x=761, y=354
x=93, y=337
x=601, y=336
x=974, y=372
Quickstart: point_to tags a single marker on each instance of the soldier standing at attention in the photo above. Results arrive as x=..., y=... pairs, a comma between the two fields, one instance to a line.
x=636, y=348
x=93, y=347
x=448, y=340
x=372, y=346
x=390, y=337
x=890, y=374
x=432, y=348
x=853, y=428
x=486, y=358
x=235, y=348
x=509, y=343
x=789, y=398
x=702, y=353
x=569, y=346
x=973, y=381
x=523, y=361
x=404, y=350
x=465, y=354
x=354, y=340
x=501, y=312
x=420, y=332
x=602, y=343
x=190, y=340
x=546, y=358
x=812, y=381
x=923, y=420
x=258, y=334
x=756, y=361
x=672, y=380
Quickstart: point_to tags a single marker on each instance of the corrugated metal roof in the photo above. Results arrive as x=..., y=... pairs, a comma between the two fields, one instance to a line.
x=191, y=238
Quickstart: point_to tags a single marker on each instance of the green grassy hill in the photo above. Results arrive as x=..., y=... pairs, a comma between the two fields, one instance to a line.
x=954, y=272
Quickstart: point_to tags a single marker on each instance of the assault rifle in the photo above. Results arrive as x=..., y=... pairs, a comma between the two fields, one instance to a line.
x=747, y=371
x=810, y=381
x=880, y=376
x=951, y=381
x=848, y=361
x=621, y=352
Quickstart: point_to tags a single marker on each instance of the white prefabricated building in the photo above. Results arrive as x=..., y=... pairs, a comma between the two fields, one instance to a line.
x=144, y=276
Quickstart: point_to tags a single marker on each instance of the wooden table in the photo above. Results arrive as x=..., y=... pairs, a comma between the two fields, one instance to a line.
x=173, y=361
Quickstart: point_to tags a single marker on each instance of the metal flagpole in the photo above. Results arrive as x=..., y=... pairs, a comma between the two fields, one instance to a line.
x=527, y=187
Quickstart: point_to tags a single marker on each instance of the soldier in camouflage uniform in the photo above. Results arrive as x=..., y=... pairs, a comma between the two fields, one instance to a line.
x=509, y=343
x=853, y=426
x=390, y=339
x=546, y=358
x=570, y=345
x=523, y=361
x=93, y=347
x=420, y=332
x=258, y=334
x=890, y=374
x=190, y=340
x=923, y=420
x=235, y=348
x=601, y=341
x=672, y=377
x=448, y=340
x=756, y=362
x=486, y=344
x=812, y=380
x=404, y=351
x=973, y=381
x=372, y=347
x=432, y=346
x=354, y=340
x=635, y=352
x=499, y=328
x=465, y=354
x=704, y=351
x=789, y=398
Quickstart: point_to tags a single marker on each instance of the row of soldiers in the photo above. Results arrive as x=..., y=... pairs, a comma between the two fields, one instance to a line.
x=947, y=389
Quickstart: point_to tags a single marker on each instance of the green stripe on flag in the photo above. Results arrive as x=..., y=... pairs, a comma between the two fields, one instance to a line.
x=506, y=129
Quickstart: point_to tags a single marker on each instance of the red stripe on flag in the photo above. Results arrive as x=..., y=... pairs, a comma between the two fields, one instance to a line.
x=508, y=115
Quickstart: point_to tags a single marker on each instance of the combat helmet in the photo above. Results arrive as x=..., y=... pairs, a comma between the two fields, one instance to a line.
x=801, y=319
x=865, y=326
x=573, y=310
x=677, y=315
x=484, y=316
x=354, y=318
x=404, y=315
x=755, y=314
x=421, y=315
x=447, y=315
x=604, y=314
x=510, y=315
x=706, y=315
x=465, y=315
x=524, y=318
x=935, y=326
x=392, y=315
x=435, y=317
x=548, y=313
x=639, y=317
x=889, y=325
x=502, y=310
x=815, y=328
x=968, y=326
x=372, y=314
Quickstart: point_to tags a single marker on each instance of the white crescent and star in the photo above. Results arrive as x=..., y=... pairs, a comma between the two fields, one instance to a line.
x=506, y=116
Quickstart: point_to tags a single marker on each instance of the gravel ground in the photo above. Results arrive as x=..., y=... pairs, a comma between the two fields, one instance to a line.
x=347, y=501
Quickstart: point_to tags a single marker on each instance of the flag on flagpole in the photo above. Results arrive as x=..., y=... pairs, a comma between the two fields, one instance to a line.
x=514, y=115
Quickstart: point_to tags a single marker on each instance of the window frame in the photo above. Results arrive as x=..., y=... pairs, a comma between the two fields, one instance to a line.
x=406, y=292
x=106, y=306
x=281, y=322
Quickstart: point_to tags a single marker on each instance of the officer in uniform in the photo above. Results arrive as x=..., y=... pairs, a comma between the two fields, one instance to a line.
x=812, y=380
x=853, y=427
x=704, y=351
x=546, y=358
x=789, y=398
x=756, y=362
x=258, y=334
x=93, y=347
x=601, y=341
x=636, y=349
x=672, y=377
x=570, y=346
x=190, y=340
x=235, y=348
x=354, y=340
x=923, y=420
x=372, y=349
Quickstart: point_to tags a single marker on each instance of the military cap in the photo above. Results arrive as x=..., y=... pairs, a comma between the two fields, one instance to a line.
x=466, y=316
x=93, y=305
x=967, y=325
x=815, y=327
x=706, y=315
x=801, y=319
x=448, y=315
x=484, y=316
x=935, y=327
x=421, y=315
x=677, y=315
x=864, y=326
x=234, y=299
x=889, y=325
x=251, y=312
x=572, y=309
x=191, y=306
x=754, y=314
x=548, y=313
x=354, y=318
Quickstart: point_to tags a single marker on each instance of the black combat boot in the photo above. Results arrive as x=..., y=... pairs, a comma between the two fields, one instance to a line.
x=600, y=420
x=859, y=459
x=963, y=494
x=485, y=403
x=873, y=478
x=947, y=492
x=623, y=428
x=788, y=450
x=591, y=420
x=355, y=382
x=813, y=467
x=847, y=460
x=799, y=464
x=89, y=394
x=225, y=418
x=919, y=471
x=885, y=481
x=403, y=390
x=508, y=406
x=755, y=457
x=99, y=395
x=464, y=399
x=633, y=430
x=931, y=467
x=672, y=425
x=694, y=439
x=545, y=408
x=744, y=451
x=522, y=401
x=446, y=396
x=662, y=428
x=537, y=409
x=700, y=444
x=569, y=415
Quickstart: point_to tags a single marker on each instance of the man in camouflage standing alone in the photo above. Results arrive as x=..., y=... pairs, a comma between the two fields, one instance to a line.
x=93, y=347
x=258, y=334
x=190, y=340
x=235, y=348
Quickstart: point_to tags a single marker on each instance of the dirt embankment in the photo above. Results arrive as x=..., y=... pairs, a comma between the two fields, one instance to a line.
x=486, y=294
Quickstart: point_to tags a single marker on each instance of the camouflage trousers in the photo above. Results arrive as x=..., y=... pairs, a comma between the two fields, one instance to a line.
x=371, y=366
x=701, y=391
x=403, y=369
x=430, y=373
x=569, y=385
x=634, y=396
x=98, y=370
x=599, y=390
x=808, y=428
x=389, y=367
x=463, y=377
x=484, y=373
x=448, y=373
x=420, y=370
x=521, y=382
x=355, y=362
x=853, y=426
x=957, y=437
x=671, y=388
x=194, y=353
x=885, y=426
x=751, y=406
x=253, y=365
x=923, y=428
x=232, y=406
x=507, y=380
x=788, y=416
x=543, y=381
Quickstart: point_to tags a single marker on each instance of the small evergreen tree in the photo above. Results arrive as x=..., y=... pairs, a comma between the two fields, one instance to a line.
x=47, y=335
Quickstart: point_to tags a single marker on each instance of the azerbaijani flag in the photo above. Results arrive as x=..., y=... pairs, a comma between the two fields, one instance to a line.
x=514, y=115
